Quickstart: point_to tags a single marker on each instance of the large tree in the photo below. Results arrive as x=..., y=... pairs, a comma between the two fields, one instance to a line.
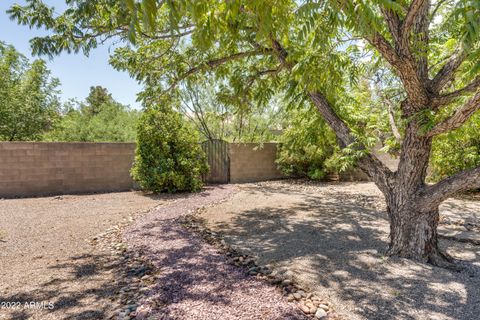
x=314, y=52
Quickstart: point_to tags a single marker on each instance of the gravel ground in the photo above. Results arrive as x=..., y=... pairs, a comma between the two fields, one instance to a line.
x=46, y=254
x=193, y=279
x=330, y=238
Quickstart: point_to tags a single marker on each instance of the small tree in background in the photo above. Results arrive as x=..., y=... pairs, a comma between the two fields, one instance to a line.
x=29, y=100
x=168, y=156
x=97, y=97
x=99, y=118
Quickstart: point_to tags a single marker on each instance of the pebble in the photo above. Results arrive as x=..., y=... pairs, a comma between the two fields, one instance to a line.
x=287, y=282
x=253, y=271
x=320, y=314
x=304, y=308
x=138, y=271
x=324, y=307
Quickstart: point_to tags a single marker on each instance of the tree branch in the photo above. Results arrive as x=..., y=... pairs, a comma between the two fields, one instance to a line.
x=393, y=125
x=445, y=99
x=369, y=163
x=446, y=73
x=407, y=71
x=465, y=180
x=379, y=42
x=459, y=117
x=167, y=35
x=437, y=6
x=217, y=62
x=261, y=73
x=415, y=9
x=393, y=23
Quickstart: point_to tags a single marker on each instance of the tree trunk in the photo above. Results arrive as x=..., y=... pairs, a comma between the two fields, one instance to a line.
x=413, y=235
x=413, y=220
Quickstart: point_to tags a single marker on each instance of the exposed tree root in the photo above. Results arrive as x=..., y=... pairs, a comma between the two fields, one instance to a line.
x=436, y=258
x=444, y=260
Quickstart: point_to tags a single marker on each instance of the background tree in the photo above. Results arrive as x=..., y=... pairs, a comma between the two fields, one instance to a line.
x=97, y=98
x=28, y=96
x=210, y=104
x=210, y=108
x=313, y=51
x=99, y=118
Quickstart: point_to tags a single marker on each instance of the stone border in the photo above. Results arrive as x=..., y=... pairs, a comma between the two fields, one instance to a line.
x=310, y=304
x=137, y=275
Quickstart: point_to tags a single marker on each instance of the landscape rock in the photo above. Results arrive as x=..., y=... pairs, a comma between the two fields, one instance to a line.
x=320, y=314
x=324, y=307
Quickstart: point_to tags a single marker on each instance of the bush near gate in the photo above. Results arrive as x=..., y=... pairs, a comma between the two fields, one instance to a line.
x=168, y=156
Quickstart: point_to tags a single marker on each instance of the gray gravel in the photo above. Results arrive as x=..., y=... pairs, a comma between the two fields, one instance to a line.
x=46, y=254
x=331, y=238
x=193, y=280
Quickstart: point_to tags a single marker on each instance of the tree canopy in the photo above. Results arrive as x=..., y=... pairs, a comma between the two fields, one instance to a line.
x=418, y=59
x=99, y=118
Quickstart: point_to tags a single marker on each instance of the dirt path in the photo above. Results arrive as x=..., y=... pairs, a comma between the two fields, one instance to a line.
x=194, y=280
x=331, y=238
x=46, y=256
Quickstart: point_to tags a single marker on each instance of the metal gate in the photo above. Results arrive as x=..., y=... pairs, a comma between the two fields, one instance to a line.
x=219, y=161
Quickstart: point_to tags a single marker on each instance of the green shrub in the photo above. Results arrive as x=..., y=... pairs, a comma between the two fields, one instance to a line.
x=168, y=156
x=308, y=147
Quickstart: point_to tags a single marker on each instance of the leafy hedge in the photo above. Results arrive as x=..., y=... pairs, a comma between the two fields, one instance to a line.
x=168, y=156
x=308, y=147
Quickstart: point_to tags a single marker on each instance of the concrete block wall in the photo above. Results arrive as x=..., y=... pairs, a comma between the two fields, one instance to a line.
x=37, y=168
x=251, y=162
x=47, y=168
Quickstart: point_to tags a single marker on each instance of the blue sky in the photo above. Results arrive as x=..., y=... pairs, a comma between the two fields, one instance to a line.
x=75, y=71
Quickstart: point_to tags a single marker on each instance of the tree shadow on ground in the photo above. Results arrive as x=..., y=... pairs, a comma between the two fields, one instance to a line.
x=335, y=246
x=76, y=287
x=79, y=285
x=464, y=210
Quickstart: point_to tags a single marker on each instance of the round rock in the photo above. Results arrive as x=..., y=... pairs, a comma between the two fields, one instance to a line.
x=320, y=314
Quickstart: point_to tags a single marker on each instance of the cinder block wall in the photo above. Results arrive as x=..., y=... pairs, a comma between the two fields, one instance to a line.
x=47, y=168
x=251, y=162
x=36, y=168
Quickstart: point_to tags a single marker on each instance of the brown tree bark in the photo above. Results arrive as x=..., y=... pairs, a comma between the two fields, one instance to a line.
x=414, y=219
x=413, y=235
